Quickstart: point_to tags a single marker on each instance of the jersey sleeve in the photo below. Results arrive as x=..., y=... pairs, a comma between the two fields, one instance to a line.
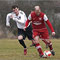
x=22, y=12
x=45, y=17
x=28, y=20
x=50, y=25
x=48, y=22
x=29, y=17
x=8, y=19
x=22, y=20
x=19, y=20
x=25, y=17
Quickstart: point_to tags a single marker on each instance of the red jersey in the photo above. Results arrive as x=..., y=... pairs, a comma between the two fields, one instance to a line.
x=38, y=22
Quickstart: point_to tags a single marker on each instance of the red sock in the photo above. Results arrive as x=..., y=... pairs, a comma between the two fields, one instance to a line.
x=50, y=46
x=38, y=47
x=44, y=42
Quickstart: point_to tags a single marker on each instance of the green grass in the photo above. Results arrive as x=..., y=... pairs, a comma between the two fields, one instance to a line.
x=10, y=49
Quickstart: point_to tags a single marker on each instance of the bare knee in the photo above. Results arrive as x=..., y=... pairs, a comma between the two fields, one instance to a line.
x=20, y=37
x=36, y=40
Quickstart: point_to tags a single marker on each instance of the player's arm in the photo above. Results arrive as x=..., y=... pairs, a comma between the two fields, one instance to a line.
x=28, y=21
x=25, y=17
x=8, y=20
x=21, y=20
x=49, y=24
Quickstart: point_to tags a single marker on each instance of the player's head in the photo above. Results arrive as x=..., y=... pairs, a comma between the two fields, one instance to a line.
x=15, y=9
x=37, y=10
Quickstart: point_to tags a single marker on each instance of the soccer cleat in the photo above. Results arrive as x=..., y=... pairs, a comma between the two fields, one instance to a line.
x=25, y=51
x=32, y=45
x=52, y=52
x=43, y=56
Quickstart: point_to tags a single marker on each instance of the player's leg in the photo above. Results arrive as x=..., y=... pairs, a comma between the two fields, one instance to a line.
x=21, y=37
x=29, y=34
x=48, y=42
x=45, y=43
x=45, y=39
x=37, y=45
x=32, y=44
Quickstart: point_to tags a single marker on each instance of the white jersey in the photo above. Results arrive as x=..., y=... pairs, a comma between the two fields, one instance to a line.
x=20, y=19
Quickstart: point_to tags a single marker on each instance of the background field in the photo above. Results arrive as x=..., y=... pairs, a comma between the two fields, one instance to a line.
x=10, y=49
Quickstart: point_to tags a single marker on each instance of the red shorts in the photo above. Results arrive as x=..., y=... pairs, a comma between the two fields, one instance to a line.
x=42, y=33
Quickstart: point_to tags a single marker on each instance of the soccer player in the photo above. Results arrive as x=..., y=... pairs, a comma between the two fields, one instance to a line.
x=20, y=18
x=38, y=20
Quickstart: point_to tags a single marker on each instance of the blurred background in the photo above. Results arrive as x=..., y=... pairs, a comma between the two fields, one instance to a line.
x=50, y=7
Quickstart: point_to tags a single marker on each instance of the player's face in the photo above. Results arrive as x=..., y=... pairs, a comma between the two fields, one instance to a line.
x=16, y=10
x=37, y=11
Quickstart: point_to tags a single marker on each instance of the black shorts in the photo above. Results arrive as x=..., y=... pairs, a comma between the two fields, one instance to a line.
x=27, y=33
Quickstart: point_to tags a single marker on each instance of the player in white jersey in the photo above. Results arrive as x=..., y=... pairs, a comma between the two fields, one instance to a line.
x=20, y=18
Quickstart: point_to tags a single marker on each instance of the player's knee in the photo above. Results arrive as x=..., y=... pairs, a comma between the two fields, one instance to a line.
x=36, y=39
x=20, y=37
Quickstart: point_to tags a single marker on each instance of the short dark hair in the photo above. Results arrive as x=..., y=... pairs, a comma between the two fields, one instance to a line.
x=14, y=6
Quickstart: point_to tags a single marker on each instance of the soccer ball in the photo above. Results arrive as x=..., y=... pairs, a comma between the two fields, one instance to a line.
x=47, y=53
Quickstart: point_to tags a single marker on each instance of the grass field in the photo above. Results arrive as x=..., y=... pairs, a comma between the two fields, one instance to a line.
x=10, y=49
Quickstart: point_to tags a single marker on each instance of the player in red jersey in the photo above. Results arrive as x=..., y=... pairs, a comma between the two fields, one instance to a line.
x=38, y=20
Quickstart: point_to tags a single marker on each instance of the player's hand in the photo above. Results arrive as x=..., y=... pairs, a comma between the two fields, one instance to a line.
x=53, y=33
x=24, y=28
x=11, y=16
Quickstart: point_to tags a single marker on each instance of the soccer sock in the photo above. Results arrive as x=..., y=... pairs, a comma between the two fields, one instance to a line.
x=22, y=43
x=38, y=47
x=44, y=42
x=50, y=46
